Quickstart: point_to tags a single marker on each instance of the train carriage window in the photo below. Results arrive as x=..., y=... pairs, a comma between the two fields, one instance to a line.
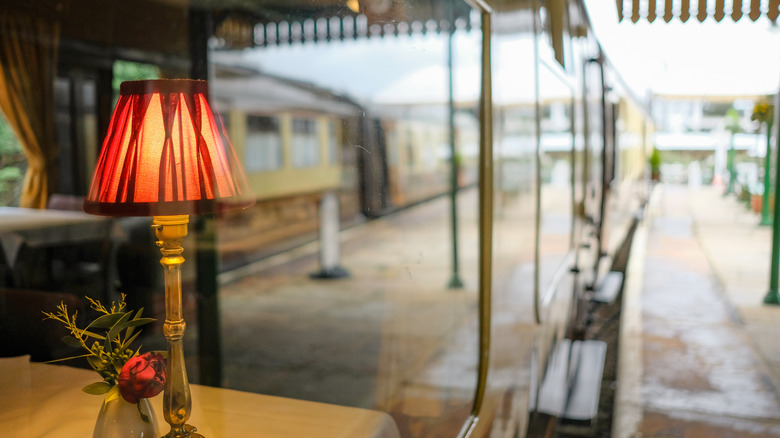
x=305, y=148
x=409, y=146
x=263, y=144
x=334, y=144
x=556, y=167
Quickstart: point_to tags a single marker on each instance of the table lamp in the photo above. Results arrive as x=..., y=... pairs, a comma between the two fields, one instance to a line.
x=166, y=156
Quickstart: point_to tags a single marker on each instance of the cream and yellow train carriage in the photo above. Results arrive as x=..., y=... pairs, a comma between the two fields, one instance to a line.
x=293, y=138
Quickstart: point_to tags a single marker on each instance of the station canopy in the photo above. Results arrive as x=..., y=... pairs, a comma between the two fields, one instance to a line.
x=701, y=10
x=241, y=24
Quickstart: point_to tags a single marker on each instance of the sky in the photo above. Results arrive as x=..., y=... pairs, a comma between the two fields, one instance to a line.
x=367, y=69
x=707, y=58
x=675, y=58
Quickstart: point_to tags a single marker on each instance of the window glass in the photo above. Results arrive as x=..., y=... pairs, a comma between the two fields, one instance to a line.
x=12, y=165
x=353, y=279
x=393, y=335
x=263, y=144
x=131, y=71
x=334, y=144
x=515, y=136
x=305, y=149
x=556, y=167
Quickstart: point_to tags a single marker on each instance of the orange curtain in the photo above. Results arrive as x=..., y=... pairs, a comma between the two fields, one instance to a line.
x=28, y=66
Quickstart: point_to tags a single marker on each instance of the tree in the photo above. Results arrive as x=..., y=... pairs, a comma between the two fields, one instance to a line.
x=12, y=164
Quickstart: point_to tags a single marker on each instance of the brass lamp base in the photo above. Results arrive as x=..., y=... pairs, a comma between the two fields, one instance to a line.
x=177, y=402
x=189, y=432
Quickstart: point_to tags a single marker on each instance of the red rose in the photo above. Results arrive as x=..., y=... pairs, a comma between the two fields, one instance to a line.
x=142, y=377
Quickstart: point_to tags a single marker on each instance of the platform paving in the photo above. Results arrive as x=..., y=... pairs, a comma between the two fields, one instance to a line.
x=699, y=355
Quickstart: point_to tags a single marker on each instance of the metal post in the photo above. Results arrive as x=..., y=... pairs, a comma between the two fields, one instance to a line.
x=765, y=217
x=772, y=296
x=455, y=281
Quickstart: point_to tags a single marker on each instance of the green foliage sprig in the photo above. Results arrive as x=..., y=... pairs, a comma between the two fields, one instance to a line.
x=763, y=112
x=106, y=340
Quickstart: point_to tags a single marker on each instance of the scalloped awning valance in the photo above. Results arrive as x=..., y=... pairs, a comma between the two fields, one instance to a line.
x=701, y=10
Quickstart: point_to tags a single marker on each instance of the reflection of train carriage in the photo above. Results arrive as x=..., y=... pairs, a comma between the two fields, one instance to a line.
x=291, y=137
x=299, y=141
x=412, y=141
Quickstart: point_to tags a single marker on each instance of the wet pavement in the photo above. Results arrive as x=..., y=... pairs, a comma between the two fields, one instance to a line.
x=392, y=336
x=698, y=346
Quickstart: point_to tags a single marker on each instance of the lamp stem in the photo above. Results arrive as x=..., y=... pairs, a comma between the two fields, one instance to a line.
x=177, y=402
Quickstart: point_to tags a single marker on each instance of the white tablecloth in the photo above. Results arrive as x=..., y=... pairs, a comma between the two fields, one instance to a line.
x=38, y=227
x=39, y=400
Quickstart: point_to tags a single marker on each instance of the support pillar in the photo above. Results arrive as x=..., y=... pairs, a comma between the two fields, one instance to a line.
x=330, y=239
x=772, y=296
x=765, y=216
x=455, y=281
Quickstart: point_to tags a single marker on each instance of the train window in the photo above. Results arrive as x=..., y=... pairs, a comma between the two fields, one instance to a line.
x=715, y=109
x=305, y=147
x=556, y=167
x=595, y=140
x=410, y=159
x=516, y=134
x=334, y=145
x=263, y=149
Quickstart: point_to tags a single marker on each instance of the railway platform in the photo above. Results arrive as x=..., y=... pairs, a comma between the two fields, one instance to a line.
x=698, y=355
x=699, y=351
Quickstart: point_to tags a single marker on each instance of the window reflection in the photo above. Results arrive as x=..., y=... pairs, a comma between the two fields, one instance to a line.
x=331, y=107
x=263, y=143
x=305, y=149
x=319, y=102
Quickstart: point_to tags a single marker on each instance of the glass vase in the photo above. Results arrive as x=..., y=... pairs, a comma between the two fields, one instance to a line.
x=120, y=419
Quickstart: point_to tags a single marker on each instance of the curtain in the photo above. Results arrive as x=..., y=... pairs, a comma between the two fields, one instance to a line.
x=28, y=63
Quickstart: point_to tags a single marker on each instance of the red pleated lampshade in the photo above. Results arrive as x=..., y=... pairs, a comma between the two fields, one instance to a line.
x=164, y=154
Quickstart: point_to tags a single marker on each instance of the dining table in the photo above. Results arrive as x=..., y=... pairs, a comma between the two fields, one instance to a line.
x=41, y=400
x=46, y=227
x=44, y=248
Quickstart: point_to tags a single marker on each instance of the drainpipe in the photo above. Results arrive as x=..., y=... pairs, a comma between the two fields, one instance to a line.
x=765, y=217
x=455, y=280
x=772, y=296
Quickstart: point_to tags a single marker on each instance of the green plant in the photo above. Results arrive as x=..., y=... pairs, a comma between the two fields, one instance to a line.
x=655, y=164
x=763, y=112
x=655, y=159
x=107, y=341
x=132, y=71
x=732, y=121
x=10, y=178
x=12, y=163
